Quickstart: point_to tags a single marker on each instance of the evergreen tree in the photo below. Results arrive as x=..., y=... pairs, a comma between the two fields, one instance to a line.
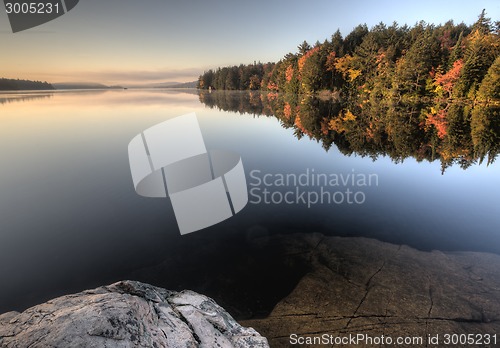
x=355, y=38
x=457, y=51
x=412, y=70
x=483, y=24
x=481, y=51
x=337, y=44
x=490, y=86
x=303, y=48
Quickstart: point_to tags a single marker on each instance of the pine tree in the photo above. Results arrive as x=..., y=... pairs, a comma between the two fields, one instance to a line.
x=412, y=70
x=490, y=86
x=483, y=24
x=337, y=44
x=303, y=48
x=457, y=51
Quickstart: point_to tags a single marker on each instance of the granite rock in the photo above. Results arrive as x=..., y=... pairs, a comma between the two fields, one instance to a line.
x=127, y=314
x=368, y=287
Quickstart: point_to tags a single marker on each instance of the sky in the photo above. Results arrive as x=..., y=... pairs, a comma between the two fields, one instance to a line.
x=151, y=41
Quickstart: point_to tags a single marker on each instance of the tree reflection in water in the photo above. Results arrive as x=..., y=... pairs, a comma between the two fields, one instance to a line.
x=452, y=132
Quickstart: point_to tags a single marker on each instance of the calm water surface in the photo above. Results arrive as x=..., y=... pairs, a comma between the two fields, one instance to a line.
x=70, y=218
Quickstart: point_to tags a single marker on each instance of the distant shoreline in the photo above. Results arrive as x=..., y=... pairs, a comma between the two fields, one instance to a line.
x=17, y=85
x=95, y=89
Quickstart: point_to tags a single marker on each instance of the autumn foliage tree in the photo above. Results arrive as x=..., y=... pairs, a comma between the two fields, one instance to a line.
x=446, y=82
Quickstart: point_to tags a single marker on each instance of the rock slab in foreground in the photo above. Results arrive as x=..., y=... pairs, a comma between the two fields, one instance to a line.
x=127, y=314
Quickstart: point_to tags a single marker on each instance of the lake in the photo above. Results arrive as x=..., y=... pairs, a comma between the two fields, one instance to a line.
x=70, y=218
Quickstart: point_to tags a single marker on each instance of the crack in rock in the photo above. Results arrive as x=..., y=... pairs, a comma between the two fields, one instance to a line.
x=367, y=290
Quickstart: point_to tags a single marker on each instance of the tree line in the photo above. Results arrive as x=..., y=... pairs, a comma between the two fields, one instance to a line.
x=23, y=85
x=401, y=63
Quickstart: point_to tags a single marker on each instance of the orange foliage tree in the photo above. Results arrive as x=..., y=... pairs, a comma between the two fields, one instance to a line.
x=303, y=59
x=438, y=120
x=447, y=81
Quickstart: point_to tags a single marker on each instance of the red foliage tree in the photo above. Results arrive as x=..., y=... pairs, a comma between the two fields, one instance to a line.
x=447, y=81
x=289, y=73
x=439, y=121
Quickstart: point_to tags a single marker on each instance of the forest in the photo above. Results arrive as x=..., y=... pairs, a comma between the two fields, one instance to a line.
x=23, y=85
x=398, y=63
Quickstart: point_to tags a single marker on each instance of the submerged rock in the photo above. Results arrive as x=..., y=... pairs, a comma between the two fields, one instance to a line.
x=127, y=314
x=360, y=286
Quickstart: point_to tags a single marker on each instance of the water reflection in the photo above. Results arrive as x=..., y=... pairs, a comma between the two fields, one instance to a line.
x=22, y=97
x=71, y=220
x=455, y=134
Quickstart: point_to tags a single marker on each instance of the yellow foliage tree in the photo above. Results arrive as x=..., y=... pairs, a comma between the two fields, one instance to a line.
x=344, y=65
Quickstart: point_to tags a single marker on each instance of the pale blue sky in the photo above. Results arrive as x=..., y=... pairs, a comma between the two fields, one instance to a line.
x=121, y=41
